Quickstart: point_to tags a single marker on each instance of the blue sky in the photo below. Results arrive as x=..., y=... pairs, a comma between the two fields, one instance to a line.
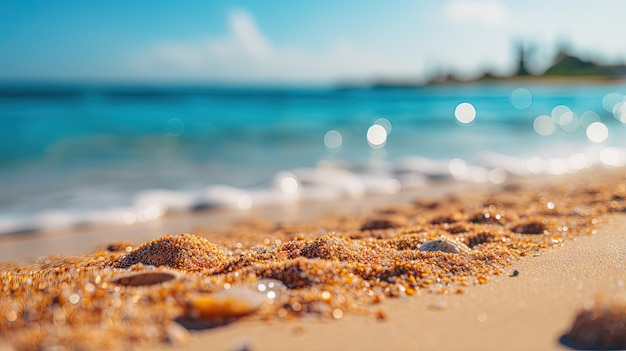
x=293, y=41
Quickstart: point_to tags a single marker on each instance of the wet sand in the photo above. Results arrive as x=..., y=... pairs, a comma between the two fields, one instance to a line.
x=27, y=247
x=524, y=296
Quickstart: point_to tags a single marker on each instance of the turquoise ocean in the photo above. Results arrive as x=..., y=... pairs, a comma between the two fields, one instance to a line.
x=88, y=154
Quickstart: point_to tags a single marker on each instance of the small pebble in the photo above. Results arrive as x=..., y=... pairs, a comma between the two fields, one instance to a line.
x=233, y=302
x=601, y=327
x=445, y=245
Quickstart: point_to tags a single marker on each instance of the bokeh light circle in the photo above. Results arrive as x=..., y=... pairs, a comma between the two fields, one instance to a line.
x=289, y=185
x=588, y=117
x=385, y=123
x=619, y=111
x=597, y=132
x=610, y=100
x=457, y=167
x=544, y=125
x=333, y=140
x=612, y=157
x=465, y=113
x=175, y=127
x=521, y=98
x=376, y=136
x=569, y=121
x=559, y=113
x=497, y=176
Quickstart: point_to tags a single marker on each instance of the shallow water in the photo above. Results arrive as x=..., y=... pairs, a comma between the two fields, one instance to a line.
x=80, y=154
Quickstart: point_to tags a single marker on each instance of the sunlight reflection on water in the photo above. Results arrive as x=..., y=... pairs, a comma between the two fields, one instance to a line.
x=465, y=113
x=376, y=136
x=521, y=98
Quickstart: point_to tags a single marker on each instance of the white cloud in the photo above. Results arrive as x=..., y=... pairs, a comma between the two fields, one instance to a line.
x=484, y=11
x=247, y=34
x=246, y=55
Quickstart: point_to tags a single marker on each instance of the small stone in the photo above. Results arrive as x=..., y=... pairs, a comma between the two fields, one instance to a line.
x=381, y=315
x=228, y=303
x=445, y=245
x=599, y=327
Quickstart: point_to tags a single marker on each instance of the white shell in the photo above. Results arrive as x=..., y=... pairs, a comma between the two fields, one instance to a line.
x=445, y=245
x=227, y=303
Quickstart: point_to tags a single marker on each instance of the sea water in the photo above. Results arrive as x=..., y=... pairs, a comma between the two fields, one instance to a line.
x=87, y=154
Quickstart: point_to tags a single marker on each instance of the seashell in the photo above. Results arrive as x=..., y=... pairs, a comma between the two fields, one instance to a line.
x=445, y=245
x=144, y=278
x=228, y=303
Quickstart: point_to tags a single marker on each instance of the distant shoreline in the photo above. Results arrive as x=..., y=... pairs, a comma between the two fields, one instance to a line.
x=537, y=80
x=62, y=88
x=541, y=80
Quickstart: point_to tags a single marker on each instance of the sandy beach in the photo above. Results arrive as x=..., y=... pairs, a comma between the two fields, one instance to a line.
x=531, y=311
x=232, y=176
x=522, y=299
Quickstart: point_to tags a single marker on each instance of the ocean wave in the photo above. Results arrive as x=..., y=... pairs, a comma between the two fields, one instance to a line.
x=328, y=181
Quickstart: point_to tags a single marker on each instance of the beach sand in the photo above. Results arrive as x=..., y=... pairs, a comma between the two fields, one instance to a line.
x=526, y=298
x=531, y=311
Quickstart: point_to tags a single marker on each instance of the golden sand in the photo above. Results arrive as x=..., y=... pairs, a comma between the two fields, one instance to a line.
x=122, y=296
